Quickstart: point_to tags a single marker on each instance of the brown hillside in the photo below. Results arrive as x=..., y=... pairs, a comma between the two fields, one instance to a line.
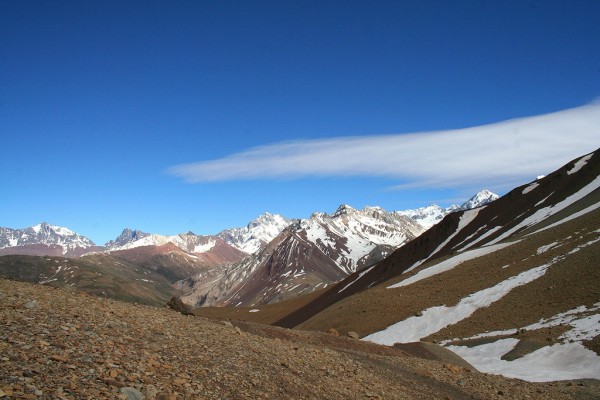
x=56, y=344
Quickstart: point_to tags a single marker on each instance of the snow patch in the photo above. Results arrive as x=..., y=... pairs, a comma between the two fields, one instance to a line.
x=450, y=263
x=550, y=363
x=543, y=249
x=435, y=318
x=579, y=164
x=465, y=219
x=571, y=217
x=202, y=248
x=530, y=188
x=546, y=212
x=543, y=200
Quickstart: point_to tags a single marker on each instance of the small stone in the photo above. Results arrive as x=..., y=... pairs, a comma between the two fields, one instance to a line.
x=352, y=335
x=132, y=393
x=150, y=391
x=2, y=394
x=32, y=304
x=455, y=369
x=333, y=332
x=56, y=357
x=227, y=324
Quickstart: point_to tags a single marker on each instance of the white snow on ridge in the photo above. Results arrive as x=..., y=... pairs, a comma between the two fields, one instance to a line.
x=256, y=234
x=202, y=248
x=436, y=318
x=579, y=164
x=571, y=217
x=357, y=278
x=426, y=216
x=183, y=241
x=481, y=238
x=465, y=219
x=530, y=188
x=546, y=212
x=450, y=263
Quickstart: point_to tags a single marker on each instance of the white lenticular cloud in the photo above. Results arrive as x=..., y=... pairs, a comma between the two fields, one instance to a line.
x=514, y=150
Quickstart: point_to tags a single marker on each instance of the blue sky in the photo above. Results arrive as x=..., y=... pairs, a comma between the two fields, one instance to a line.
x=174, y=116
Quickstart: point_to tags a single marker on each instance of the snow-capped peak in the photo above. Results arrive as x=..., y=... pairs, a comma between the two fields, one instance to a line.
x=480, y=199
x=43, y=233
x=432, y=214
x=188, y=242
x=127, y=236
x=342, y=210
x=257, y=233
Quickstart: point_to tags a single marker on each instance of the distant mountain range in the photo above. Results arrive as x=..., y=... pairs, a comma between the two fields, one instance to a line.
x=432, y=214
x=314, y=253
x=291, y=257
x=46, y=239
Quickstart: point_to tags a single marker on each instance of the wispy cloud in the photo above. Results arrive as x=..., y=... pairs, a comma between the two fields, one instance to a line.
x=511, y=151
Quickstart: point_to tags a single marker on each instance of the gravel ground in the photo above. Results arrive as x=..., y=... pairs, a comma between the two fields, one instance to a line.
x=56, y=344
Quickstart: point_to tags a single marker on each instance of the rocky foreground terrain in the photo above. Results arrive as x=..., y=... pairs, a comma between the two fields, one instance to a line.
x=57, y=344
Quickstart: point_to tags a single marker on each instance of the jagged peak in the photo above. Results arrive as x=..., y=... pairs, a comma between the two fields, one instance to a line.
x=483, y=197
x=343, y=209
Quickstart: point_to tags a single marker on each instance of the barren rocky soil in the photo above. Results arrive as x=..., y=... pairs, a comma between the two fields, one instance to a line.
x=63, y=345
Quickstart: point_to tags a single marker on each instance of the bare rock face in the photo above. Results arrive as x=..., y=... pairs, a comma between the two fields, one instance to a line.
x=177, y=305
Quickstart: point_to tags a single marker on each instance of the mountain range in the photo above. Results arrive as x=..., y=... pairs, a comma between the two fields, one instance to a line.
x=45, y=239
x=206, y=268
x=313, y=253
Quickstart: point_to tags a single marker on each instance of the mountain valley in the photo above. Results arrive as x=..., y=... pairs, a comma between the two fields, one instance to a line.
x=508, y=286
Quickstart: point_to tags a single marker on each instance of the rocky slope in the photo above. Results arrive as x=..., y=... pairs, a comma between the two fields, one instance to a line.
x=96, y=274
x=64, y=345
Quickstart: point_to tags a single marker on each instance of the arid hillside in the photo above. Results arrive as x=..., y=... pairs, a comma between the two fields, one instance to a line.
x=64, y=345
